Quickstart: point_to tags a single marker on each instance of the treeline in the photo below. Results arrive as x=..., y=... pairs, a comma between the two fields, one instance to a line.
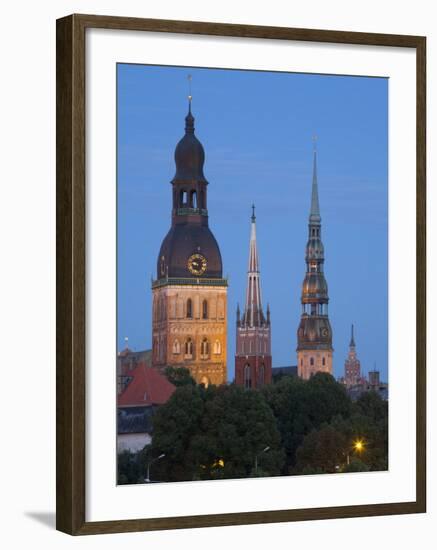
x=290, y=427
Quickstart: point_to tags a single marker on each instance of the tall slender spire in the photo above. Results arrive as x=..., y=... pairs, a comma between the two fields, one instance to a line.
x=314, y=335
x=352, y=342
x=253, y=355
x=315, y=208
x=253, y=314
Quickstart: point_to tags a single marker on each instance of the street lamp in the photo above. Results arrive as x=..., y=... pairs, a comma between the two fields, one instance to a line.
x=256, y=458
x=147, y=480
x=357, y=446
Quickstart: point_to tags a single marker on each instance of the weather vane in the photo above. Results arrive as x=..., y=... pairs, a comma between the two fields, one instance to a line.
x=190, y=97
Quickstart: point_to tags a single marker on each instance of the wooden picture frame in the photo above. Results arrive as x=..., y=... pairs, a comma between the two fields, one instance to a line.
x=71, y=284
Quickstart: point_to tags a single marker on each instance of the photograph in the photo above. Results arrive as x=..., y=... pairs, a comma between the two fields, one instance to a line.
x=252, y=254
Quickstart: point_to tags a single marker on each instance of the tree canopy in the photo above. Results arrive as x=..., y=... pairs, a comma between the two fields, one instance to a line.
x=290, y=427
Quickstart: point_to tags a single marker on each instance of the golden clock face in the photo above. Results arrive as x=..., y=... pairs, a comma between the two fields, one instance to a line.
x=197, y=264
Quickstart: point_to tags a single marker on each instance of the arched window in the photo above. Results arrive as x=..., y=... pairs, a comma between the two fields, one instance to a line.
x=193, y=200
x=217, y=347
x=176, y=346
x=261, y=375
x=312, y=361
x=189, y=309
x=301, y=362
x=247, y=381
x=189, y=347
x=204, y=309
x=183, y=197
x=323, y=361
x=204, y=349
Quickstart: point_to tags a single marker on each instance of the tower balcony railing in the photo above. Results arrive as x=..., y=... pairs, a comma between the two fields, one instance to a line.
x=187, y=211
x=204, y=281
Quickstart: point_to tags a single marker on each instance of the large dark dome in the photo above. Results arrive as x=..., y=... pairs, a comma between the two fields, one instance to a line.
x=181, y=242
x=189, y=155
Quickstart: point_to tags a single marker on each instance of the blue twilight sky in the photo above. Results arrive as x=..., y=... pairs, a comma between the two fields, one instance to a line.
x=257, y=128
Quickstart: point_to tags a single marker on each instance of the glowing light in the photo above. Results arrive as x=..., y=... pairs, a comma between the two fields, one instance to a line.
x=359, y=445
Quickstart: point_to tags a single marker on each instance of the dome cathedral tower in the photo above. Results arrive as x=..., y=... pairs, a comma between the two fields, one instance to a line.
x=314, y=335
x=190, y=293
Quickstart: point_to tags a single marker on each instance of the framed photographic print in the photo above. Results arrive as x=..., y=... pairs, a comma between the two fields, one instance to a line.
x=240, y=274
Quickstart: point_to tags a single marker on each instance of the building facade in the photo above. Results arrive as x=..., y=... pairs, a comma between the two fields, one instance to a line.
x=253, y=359
x=314, y=335
x=189, y=292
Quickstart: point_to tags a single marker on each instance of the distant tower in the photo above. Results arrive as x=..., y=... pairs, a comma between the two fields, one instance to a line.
x=189, y=292
x=352, y=366
x=374, y=380
x=253, y=359
x=314, y=335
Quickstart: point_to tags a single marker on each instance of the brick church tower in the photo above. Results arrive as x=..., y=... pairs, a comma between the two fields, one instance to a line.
x=352, y=366
x=253, y=359
x=314, y=335
x=189, y=293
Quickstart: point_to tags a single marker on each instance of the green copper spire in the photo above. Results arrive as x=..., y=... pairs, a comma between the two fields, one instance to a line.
x=315, y=208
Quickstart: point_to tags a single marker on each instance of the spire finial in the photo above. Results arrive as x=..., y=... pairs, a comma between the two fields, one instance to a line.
x=189, y=119
x=190, y=97
x=253, y=213
x=314, y=143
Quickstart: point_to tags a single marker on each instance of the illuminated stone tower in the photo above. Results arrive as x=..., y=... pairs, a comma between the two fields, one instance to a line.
x=190, y=293
x=352, y=366
x=253, y=359
x=314, y=335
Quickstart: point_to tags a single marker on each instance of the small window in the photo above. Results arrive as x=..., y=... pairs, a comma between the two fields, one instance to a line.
x=189, y=347
x=176, y=347
x=323, y=361
x=189, y=309
x=312, y=361
x=247, y=381
x=204, y=309
x=204, y=349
